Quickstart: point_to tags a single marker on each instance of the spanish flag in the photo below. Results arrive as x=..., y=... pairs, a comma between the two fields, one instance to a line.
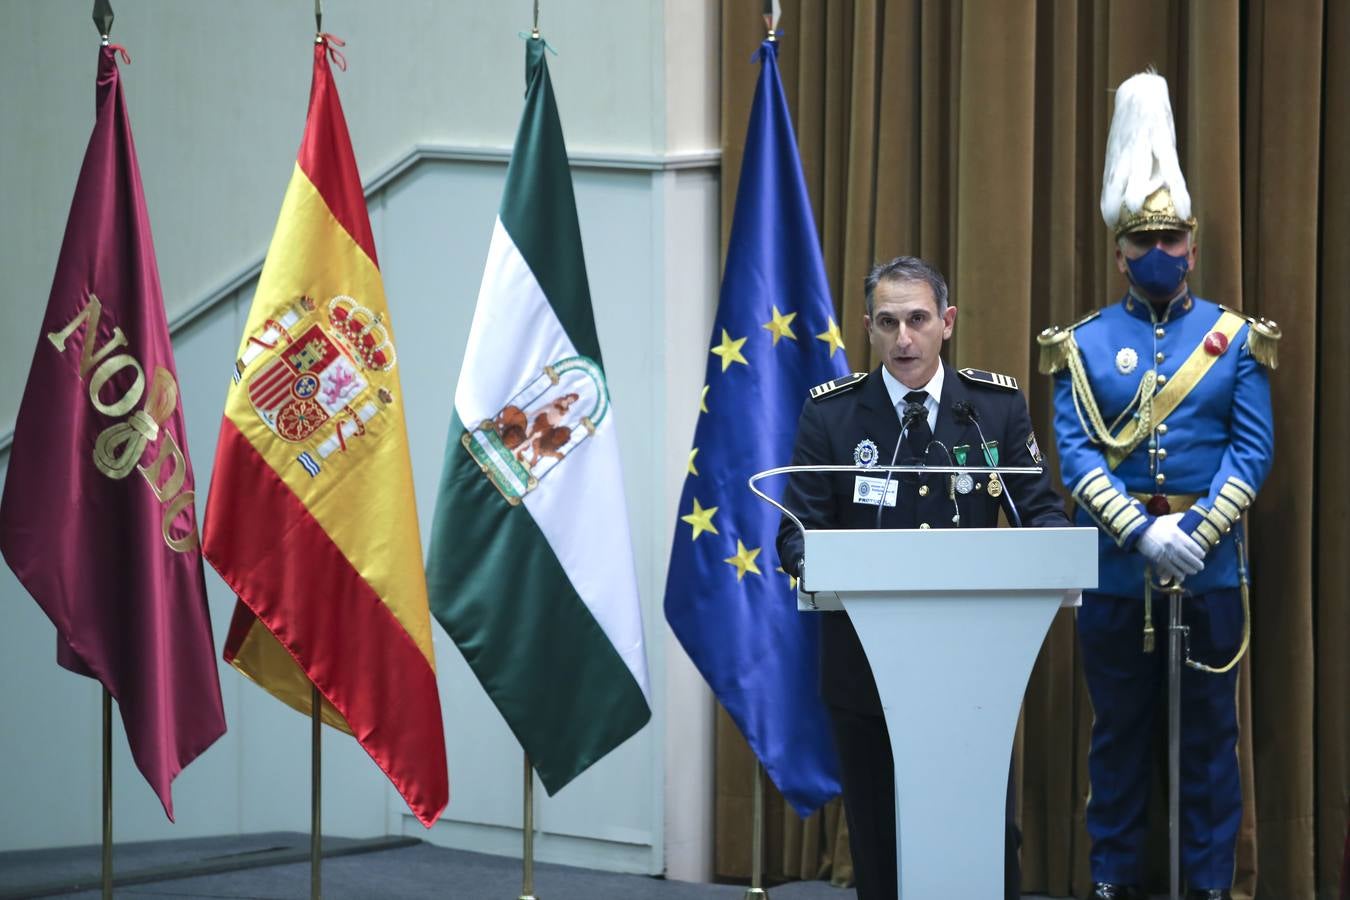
x=311, y=517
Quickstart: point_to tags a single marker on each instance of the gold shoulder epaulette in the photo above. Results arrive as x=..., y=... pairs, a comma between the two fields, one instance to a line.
x=1055, y=346
x=821, y=391
x=1263, y=338
x=992, y=379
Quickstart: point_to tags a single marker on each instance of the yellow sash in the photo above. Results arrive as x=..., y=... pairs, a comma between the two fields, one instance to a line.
x=1133, y=432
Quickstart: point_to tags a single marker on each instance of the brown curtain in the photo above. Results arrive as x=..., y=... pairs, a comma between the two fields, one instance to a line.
x=972, y=133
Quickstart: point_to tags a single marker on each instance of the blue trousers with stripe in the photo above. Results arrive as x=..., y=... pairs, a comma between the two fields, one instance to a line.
x=1129, y=700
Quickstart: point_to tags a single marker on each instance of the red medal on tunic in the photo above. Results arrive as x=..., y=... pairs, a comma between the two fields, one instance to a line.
x=1215, y=343
x=1157, y=504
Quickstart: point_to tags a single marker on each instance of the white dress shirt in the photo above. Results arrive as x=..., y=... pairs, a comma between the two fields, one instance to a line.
x=933, y=387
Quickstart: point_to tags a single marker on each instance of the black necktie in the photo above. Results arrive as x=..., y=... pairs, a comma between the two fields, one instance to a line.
x=919, y=435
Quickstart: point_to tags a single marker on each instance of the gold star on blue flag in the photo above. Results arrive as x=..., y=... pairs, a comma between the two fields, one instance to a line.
x=727, y=598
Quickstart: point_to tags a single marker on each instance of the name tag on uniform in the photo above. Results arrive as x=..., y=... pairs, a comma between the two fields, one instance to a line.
x=868, y=490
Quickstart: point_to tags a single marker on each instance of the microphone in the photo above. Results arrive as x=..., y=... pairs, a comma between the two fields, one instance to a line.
x=913, y=410
x=968, y=414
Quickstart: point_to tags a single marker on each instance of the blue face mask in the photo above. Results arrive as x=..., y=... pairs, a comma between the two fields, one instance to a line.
x=1158, y=273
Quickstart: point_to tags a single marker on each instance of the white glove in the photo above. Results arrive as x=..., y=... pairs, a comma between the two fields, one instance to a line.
x=1173, y=553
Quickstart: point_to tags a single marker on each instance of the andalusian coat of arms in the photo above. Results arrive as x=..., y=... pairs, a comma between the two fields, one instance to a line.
x=537, y=428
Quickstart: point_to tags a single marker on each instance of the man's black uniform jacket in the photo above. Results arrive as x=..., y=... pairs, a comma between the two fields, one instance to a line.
x=832, y=427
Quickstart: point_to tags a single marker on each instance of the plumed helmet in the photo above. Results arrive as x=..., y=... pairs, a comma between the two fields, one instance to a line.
x=1142, y=185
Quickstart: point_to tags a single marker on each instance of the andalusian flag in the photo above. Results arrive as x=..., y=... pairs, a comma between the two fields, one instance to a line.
x=530, y=567
x=311, y=516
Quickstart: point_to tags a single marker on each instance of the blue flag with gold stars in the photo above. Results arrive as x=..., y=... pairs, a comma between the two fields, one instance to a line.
x=727, y=598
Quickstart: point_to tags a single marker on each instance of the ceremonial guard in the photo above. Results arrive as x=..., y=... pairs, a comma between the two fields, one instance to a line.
x=1163, y=424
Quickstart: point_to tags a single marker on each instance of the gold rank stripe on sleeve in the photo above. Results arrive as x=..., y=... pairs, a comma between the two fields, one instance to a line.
x=1196, y=366
x=1116, y=512
x=1235, y=496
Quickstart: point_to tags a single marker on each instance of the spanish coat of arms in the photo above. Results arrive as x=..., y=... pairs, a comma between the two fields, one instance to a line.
x=311, y=375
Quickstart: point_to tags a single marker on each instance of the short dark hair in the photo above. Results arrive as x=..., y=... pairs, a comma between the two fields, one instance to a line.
x=907, y=268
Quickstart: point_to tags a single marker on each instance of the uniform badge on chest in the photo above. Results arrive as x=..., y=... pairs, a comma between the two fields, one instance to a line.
x=865, y=454
x=1126, y=360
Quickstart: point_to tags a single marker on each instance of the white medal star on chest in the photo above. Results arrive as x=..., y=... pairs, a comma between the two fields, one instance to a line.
x=1126, y=360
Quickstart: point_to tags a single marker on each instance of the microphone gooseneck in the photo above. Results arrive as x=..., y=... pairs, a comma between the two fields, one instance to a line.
x=913, y=410
x=967, y=413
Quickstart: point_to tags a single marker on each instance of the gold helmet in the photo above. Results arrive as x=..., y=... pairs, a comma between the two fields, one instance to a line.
x=1142, y=185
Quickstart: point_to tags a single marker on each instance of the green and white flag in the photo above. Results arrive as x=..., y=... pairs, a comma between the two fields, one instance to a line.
x=530, y=569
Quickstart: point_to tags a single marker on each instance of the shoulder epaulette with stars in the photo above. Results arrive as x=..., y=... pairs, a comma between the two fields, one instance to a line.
x=991, y=379
x=1054, y=343
x=838, y=385
x=1263, y=337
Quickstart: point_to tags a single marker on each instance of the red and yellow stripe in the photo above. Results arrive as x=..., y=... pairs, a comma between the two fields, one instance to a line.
x=328, y=569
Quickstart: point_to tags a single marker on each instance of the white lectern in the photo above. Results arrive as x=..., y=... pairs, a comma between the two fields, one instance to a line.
x=951, y=621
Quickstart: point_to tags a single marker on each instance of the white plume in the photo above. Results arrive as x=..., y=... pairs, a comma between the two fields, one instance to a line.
x=1141, y=150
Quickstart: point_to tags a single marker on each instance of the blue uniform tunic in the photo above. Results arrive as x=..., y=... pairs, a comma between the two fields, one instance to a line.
x=1209, y=457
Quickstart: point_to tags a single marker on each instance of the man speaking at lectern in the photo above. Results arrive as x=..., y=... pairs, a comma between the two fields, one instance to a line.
x=913, y=409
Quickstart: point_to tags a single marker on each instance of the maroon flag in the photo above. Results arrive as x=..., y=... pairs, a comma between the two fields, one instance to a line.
x=97, y=518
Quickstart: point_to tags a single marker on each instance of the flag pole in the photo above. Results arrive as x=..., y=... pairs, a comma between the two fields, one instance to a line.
x=107, y=790
x=527, y=837
x=316, y=781
x=756, y=890
x=103, y=20
x=527, y=879
x=316, y=720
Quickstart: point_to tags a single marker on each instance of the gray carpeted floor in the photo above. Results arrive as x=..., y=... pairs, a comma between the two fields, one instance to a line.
x=416, y=870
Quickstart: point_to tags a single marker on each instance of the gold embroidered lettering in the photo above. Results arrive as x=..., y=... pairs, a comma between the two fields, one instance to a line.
x=169, y=452
x=179, y=504
x=91, y=313
x=106, y=370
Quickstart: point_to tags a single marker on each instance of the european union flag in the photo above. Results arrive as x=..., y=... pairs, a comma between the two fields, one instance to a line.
x=727, y=598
